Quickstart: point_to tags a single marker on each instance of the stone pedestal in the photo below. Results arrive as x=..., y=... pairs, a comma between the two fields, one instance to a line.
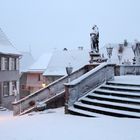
x=96, y=57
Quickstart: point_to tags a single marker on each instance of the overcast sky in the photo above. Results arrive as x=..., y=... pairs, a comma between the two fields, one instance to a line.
x=47, y=24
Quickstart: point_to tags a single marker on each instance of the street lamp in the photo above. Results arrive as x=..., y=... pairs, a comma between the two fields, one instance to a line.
x=69, y=71
x=43, y=85
x=109, y=52
x=120, y=58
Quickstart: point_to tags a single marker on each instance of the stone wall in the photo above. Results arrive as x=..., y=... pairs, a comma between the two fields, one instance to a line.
x=127, y=70
x=88, y=82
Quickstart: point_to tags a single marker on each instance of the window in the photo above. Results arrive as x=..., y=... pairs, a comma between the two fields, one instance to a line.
x=13, y=63
x=5, y=88
x=14, y=85
x=39, y=77
x=6, y=63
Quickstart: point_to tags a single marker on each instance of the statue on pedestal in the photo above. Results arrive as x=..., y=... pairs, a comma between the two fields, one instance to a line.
x=95, y=56
x=94, y=36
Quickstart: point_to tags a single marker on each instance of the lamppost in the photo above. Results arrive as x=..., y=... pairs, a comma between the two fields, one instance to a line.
x=109, y=51
x=69, y=71
x=43, y=85
x=120, y=57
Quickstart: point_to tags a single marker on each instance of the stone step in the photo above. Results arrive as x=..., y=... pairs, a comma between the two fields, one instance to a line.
x=107, y=111
x=128, y=94
x=123, y=84
x=80, y=112
x=111, y=98
x=121, y=88
x=113, y=105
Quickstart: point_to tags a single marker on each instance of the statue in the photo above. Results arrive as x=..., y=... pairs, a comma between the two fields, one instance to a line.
x=136, y=50
x=94, y=36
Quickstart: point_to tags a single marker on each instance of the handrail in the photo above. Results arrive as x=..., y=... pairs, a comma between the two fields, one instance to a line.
x=45, y=101
x=80, y=79
x=49, y=91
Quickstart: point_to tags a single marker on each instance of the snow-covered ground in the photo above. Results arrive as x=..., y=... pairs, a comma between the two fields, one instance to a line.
x=55, y=125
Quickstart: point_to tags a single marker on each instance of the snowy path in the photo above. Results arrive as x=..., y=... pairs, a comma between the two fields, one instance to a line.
x=54, y=125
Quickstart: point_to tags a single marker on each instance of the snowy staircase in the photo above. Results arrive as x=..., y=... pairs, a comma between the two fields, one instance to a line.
x=112, y=100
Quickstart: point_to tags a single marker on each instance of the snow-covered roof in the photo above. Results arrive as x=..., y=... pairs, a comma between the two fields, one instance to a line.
x=127, y=53
x=26, y=61
x=55, y=63
x=62, y=59
x=41, y=64
x=5, y=45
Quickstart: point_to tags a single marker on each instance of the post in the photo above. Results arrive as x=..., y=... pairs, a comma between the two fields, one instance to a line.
x=69, y=71
x=120, y=58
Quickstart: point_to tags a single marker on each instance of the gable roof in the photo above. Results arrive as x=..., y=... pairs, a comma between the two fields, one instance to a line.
x=26, y=61
x=6, y=46
x=62, y=59
x=41, y=64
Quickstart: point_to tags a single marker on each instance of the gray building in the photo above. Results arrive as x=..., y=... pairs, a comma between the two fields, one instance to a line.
x=9, y=72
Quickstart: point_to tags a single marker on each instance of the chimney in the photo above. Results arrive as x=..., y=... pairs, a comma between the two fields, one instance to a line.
x=80, y=48
x=65, y=49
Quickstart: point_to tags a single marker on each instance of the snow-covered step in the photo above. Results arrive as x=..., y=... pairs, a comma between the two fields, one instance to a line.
x=120, y=87
x=107, y=111
x=113, y=98
x=76, y=111
x=122, y=83
x=112, y=92
x=116, y=99
x=114, y=105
